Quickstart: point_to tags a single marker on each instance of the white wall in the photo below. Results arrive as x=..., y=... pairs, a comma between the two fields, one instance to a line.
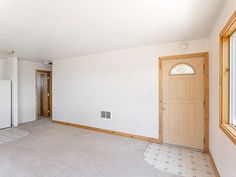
x=222, y=149
x=10, y=73
x=1, y=69
x=124, y=82
x=26, y=81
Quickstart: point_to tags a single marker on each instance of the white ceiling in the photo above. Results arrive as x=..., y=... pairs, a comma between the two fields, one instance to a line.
x=55, y=29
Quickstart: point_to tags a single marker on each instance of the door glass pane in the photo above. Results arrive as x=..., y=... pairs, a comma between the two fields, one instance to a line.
x=182, y=68
x=233, y=79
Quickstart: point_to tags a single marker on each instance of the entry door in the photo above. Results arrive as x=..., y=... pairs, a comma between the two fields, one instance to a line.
x=183, y=102
x=44, y=94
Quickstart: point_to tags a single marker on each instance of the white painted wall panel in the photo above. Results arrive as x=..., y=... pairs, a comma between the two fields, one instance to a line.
x=5, y=104
x=124, y=82
x=10, y=73
x=1, y=69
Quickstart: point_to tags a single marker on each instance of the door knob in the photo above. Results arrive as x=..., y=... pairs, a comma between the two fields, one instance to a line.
x=164, y=109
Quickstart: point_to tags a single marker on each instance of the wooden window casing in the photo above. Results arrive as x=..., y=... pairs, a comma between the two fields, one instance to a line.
x=225, y=35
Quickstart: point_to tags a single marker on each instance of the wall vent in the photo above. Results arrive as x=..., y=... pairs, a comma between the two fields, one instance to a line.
x=108, y=115
x=105, y=115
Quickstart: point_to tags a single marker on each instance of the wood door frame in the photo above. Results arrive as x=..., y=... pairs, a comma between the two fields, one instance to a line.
x=49, y=90
x=206, y=93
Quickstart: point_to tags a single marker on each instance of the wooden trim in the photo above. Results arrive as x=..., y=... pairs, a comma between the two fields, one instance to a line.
x=206, y=101
x=213, y=165
x=224, y=83
x=206, y=93
x=225, y=31
x=49, y=90
x=43, y=71
x=229, y=131
x=160, y=104
x=108, y=131
x=184, y=56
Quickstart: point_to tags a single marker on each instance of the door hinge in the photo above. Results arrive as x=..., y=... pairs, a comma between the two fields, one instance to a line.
x=204, y=140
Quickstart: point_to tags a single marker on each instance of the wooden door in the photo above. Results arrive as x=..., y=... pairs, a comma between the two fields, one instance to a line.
x=44, y=94
x=183, y=102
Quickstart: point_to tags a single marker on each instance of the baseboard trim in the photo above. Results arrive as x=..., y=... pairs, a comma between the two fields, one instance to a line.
x=215, y=170
x=154, y=140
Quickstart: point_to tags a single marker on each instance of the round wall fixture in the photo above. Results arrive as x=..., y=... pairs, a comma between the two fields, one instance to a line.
x=184, y=46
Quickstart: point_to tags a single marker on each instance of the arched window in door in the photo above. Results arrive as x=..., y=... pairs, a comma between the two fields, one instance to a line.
x=181, y=69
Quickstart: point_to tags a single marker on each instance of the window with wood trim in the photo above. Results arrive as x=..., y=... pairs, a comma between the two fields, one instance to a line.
x=228, y=78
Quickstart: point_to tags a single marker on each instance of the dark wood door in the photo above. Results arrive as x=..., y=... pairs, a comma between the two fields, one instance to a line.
x=44, y=94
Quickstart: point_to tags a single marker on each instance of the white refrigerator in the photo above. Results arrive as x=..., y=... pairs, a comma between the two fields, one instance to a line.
x=5, y=104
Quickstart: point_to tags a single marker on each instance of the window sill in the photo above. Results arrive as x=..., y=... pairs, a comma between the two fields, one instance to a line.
x=229, y=131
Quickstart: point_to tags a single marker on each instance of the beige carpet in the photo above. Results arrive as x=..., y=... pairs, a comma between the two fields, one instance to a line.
x=10, y=134
x=52, y=150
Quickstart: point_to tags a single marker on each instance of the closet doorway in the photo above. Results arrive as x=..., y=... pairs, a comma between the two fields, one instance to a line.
x=43, y=94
